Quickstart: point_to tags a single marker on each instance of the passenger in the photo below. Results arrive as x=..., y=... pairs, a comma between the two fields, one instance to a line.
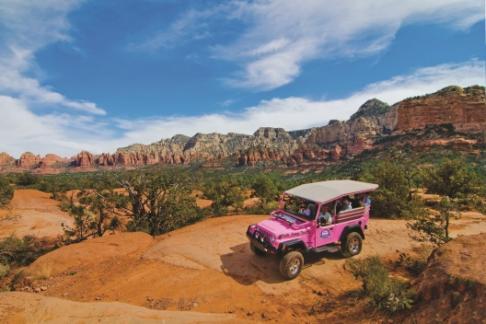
x=357, y=201
x=347, y=204
x=325, y=217
x=306, y=211
x=367, y=201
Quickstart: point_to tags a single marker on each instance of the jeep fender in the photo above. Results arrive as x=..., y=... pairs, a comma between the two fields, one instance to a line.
x=292, y=245
x=348, y=229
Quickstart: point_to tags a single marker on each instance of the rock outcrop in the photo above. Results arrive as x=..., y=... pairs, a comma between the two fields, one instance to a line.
x=83, y=160
x=452, y=289
x=52, y=161
x=28, y=161
x=462, y=108
x=6, y=160
x=457, y=110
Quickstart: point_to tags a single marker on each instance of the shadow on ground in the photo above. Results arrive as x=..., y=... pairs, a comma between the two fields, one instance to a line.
x=247, y=268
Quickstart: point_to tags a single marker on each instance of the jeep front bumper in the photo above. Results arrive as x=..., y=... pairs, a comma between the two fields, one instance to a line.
x=260, y=242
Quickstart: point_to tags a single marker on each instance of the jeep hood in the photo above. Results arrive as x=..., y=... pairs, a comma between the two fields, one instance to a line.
x=278, y=226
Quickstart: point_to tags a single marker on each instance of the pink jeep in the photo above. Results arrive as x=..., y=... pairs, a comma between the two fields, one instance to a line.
x=315, y=217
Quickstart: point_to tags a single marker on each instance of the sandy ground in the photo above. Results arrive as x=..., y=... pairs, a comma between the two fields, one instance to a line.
x=205, y=268
x=208, y=267
x=18, y=307
x=32, y=212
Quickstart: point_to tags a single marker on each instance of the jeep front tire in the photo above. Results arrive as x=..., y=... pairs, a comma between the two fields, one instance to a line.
x=351, y=245
x=291, y=264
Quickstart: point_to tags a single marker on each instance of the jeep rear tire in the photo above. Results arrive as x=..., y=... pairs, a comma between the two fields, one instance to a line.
x=351, y=245
x=256, y=250
x=291, y=264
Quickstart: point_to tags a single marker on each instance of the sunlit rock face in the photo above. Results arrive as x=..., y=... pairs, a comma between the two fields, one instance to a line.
x=462, y=111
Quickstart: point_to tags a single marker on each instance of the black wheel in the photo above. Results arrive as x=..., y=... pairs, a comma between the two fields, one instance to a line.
x=351, y=245
x=256, y=250
x=291, y=264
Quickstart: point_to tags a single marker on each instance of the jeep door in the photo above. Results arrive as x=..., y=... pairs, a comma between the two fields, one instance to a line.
x=325, y=234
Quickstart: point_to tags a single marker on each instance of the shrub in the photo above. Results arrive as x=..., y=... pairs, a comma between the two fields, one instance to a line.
x=394, y=196
x=385, y=293
x=6, y=192
x=21, y=252
x=452, y=178
x=160, y=202
x=265, y=188
x=225, y=192
x=433, y=227
x=4, y=270
x=26, y=179
x=414, y=264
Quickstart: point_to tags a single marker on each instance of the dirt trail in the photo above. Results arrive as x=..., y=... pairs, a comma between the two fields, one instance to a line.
x=32, y=212
x=208, y=267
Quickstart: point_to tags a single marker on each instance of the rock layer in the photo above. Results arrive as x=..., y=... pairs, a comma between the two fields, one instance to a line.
x=461, y=110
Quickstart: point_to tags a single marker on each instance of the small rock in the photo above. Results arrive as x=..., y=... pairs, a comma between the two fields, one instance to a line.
x=43, y=288
x=37, y=290
x=195, y=304
x=98, y=298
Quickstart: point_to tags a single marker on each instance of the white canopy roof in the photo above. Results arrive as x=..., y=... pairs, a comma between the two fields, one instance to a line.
x=325, y=191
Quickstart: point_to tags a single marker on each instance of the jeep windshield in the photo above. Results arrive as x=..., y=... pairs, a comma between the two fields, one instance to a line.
x=299, y=207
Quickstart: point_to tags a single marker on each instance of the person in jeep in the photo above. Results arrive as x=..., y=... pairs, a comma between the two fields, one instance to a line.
x=325, y=216
x=314, y=218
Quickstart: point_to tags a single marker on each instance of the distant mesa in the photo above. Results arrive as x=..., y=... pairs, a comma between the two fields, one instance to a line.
x=452, y=116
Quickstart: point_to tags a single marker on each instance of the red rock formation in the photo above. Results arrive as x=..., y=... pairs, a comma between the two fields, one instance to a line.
x=51, y=161
x=28, y=161
x=336, y=153
x=6, y=160
x=84, y=160
x=465, y=109
x=375, y=123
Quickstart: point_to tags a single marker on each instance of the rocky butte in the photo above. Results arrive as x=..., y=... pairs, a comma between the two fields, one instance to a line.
x=453, y=116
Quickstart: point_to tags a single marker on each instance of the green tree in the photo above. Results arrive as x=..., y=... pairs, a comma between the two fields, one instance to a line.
x=452, y=178
x=6, y=192
x=265, y=188
x=160, y=202
x=434, y=228
x=393, y=197
x=100, y=204
x=224, y=192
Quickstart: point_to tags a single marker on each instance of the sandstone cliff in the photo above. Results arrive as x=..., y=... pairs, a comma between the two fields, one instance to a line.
x=459, y=110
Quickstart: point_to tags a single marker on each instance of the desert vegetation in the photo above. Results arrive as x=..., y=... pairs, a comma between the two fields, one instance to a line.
x=6, y=191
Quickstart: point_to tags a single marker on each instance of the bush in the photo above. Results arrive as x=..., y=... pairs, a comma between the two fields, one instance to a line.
x=160, y=202
x=265, y=188
x=452, y=178
x=21, y=252
x=433, y=227
x=26, y=179
x=4, y=270
x=414, y=264
x=225, y=192
x=385, y=293
x=394, y=196
x=6, y=192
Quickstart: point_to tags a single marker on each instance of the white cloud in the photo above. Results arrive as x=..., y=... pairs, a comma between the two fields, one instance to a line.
x=26, y=27
x=21, y=130
x=294, y=113
x=284, y=34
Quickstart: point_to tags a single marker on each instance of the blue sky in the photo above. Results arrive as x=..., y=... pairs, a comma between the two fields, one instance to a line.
x=98, y=75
